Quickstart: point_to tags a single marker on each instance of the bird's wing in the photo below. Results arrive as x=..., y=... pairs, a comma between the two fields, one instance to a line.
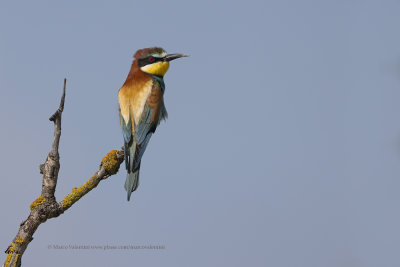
x=140, y=113
x=161, y=86
x=132, y=98
x=145, y=125
x=143, y=132
x=153, y=112
x=126, y=126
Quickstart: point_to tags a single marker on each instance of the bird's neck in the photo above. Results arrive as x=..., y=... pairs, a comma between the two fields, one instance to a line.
x=160, y=80
x=136, y=75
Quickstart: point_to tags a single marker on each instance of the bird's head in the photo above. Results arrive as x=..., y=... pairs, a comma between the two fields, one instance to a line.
x=155, y=60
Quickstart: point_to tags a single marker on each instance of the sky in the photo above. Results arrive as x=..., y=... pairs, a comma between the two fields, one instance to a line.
x=282, y=146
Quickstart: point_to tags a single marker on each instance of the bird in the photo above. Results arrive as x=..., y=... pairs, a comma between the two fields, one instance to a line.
x=141, y=107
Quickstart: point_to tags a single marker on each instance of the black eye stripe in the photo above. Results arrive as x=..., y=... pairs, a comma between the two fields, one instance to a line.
x=148, y=60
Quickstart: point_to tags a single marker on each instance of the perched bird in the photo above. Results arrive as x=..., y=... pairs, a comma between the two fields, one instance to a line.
x=141, y=106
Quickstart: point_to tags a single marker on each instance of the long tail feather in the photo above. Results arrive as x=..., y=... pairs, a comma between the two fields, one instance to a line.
x=132, y=177
x=132, y=182
x=126, y=157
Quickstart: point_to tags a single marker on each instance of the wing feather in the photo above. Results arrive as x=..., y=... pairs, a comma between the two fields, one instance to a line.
x=143, y=132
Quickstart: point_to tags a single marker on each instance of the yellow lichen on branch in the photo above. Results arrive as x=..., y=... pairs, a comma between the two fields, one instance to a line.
x=109, y=166
x=37, y=202
x=46, y=206
x=11, y=252
x=8, y=260
x=79, y=192
x=16, y=260
x=110, y=162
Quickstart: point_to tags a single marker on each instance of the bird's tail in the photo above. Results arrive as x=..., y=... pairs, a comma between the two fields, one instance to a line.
x=132, y=167
x=132, y=181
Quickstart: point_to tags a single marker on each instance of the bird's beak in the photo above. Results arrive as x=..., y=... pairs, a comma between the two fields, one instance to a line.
x=174, y=56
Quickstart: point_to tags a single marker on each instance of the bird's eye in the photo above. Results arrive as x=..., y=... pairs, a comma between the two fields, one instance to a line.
x=151, y=59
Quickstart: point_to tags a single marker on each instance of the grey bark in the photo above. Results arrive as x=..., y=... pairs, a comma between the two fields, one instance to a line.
x=50, y=208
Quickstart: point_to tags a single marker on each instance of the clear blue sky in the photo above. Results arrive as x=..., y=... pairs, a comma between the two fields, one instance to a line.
x=282, y=146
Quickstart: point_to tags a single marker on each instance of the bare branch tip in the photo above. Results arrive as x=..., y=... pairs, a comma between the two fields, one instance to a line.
x=63, y=95
x=61, y=107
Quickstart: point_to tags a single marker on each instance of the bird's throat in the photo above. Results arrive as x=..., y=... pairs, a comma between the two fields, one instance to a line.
x=158, y=68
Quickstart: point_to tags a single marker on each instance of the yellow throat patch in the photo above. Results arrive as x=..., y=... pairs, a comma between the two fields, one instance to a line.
x=158, y=68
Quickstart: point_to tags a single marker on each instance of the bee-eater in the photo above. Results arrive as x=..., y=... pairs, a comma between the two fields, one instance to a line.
x=141, y=106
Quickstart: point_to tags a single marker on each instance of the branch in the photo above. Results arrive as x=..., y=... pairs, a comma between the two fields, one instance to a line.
x=46, y=206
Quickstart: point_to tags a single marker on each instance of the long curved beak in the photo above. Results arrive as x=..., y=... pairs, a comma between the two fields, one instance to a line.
x=170, y=57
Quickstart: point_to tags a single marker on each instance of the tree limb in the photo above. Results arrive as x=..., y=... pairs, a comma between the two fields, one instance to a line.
x=46, y=206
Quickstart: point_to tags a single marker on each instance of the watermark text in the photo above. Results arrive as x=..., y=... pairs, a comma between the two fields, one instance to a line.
x=105, y=247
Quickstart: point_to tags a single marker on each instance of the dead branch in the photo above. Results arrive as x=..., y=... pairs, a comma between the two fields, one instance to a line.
x=46, y=206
